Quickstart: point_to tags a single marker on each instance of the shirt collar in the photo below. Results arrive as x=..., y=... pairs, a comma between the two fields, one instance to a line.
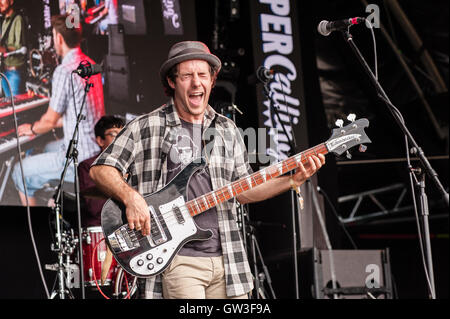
x=71, y=54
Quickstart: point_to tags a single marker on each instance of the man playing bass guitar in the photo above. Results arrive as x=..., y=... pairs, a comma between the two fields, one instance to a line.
x=155, y=147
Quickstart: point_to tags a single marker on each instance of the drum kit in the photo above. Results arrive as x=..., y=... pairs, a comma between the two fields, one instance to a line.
x=103, y=276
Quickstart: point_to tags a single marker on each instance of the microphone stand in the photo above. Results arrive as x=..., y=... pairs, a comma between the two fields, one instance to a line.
x=294, y=202
x=418, y=151
x=72, y=153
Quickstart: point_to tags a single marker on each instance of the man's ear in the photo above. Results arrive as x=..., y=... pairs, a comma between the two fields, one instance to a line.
x=171, y=84
x=214, y=80
x=59, y=38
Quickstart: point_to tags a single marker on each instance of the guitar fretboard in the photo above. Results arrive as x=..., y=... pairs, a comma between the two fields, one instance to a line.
x=212, y=199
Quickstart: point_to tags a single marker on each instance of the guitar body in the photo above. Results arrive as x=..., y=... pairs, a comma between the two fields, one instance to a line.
x=171, y=227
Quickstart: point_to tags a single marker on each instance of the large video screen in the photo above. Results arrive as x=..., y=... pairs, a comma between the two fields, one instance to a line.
x=118, y=34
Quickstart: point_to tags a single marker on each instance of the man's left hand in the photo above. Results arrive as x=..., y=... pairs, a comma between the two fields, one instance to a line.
x=305, y=171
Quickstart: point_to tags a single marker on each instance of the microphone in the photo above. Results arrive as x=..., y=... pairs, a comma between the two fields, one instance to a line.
x=22, y=50
x=262, y=74
x=325, y=27
x=86, y=69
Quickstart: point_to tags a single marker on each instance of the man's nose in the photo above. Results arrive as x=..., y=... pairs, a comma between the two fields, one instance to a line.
x=195, y=79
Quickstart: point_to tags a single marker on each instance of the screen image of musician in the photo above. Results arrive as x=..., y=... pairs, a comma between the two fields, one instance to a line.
x=62, y=112
x=12, y=49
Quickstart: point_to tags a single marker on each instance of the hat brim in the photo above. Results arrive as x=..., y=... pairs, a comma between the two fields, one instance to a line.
x=208, y=57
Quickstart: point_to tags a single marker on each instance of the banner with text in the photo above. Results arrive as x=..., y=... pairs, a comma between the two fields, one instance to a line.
x=276, y=47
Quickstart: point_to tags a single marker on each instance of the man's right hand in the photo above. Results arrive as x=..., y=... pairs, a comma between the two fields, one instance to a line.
x=138, y=215
x=110, y=181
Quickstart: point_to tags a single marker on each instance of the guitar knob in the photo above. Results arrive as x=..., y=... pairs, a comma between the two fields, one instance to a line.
x=351, y=117
x=150, y=266
x=140, y=262
x=339, y=123
x=159, y=260
x=149, y=257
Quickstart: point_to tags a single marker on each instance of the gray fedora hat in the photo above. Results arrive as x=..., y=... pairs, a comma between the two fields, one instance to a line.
x=188, y=50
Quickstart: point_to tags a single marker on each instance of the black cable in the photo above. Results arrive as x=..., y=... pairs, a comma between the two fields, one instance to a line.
x=330, y=203
x=19, y=150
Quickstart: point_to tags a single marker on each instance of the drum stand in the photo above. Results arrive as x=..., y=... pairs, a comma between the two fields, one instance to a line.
x=67, y=272
x=252, y=247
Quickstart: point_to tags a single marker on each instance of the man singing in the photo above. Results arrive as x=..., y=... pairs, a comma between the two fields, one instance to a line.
x=152, y=149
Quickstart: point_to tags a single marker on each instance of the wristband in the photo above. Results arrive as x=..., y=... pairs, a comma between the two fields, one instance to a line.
x=293, y=185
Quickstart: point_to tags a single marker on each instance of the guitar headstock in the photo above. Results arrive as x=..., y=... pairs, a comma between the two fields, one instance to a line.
x=345, y=137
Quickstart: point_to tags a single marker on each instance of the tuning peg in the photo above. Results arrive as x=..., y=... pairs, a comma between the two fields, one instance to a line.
x=339, y=123
x=348, y=155
x=351, y=117
x=362, y=148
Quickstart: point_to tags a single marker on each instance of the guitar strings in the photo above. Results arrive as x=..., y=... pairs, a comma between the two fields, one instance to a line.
x=237, y=187
x=170, y=219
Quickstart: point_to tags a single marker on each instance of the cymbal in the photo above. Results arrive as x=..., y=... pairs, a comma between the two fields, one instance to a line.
x=93, y=193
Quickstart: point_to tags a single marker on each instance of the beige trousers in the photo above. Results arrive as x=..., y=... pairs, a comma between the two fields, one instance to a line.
x=195, y=278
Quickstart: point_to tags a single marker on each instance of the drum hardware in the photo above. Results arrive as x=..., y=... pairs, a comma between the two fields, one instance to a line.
x=121, y=279
x=113, y=268
x=68, y=272
x=73, y=276
x=95, y=253
x=42, y=63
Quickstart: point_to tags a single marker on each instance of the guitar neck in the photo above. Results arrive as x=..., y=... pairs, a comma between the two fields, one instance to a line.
x=212, y=199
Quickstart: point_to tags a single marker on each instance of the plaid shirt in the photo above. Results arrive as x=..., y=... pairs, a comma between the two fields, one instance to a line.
x=141, y=149
x=62, y=102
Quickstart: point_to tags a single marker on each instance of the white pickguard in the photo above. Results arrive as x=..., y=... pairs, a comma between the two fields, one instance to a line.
x=158, y=257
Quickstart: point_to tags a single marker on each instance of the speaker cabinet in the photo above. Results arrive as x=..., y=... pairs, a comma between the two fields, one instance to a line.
x=116, y=40
x=358, y=274
x=132, y=17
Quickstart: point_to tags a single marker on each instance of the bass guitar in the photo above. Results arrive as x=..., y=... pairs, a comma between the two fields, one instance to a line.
x=171, y=214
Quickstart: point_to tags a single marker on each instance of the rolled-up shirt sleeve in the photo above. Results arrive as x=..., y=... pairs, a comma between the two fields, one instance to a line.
x=60, y=94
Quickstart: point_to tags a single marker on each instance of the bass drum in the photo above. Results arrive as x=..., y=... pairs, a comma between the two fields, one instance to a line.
x=120, y=285
x=95, y=256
